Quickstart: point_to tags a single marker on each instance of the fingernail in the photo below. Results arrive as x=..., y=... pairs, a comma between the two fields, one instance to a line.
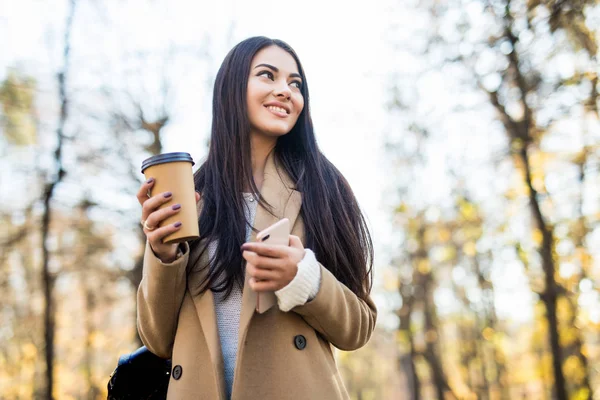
x=177, y=224
x=176, y=207
x=168, y=194
x=150, y=180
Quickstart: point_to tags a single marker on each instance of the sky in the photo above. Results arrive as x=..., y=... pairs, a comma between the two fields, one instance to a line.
x=342, y=60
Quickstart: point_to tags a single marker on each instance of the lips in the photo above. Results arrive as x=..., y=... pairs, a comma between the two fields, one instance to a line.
x=278, y=107
x=277, y=112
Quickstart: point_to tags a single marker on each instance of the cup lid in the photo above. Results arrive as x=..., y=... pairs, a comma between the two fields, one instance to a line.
x=166, y=158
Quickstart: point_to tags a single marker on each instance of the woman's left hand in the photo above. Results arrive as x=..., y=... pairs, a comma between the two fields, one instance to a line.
x=272, y=267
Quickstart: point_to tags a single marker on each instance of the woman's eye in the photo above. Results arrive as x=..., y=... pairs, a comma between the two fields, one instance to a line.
x=296, y=84
x=268, y=74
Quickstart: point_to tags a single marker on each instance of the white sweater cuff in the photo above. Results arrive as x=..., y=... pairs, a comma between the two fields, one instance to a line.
x=305, y=285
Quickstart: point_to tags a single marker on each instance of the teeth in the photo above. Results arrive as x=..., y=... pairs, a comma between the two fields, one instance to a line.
x=279, y=109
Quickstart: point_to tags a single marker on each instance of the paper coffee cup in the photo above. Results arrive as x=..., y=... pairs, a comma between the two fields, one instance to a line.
x=172, y=172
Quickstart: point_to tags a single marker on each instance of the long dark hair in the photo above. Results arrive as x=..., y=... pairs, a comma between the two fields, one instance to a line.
x=335, y=228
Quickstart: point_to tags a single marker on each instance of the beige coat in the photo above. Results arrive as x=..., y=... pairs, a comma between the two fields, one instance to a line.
x=281, y=355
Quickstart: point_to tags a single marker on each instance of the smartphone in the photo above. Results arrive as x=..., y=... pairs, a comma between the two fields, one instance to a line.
x=278, y=234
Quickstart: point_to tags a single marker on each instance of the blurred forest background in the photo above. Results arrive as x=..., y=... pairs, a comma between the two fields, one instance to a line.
x=488, y=239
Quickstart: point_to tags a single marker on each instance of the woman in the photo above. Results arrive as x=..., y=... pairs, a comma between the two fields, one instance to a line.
x=195, y=305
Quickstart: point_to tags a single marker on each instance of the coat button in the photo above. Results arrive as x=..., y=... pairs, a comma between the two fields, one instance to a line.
x=300, y=342
x=177, y=371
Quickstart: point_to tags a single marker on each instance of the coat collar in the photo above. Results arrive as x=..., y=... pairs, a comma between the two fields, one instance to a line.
x=279, y=192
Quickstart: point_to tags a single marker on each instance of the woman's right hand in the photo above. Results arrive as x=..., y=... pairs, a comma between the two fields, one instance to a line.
x=152, y=217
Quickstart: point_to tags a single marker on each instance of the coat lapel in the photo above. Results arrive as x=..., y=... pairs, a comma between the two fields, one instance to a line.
x=205, y=308
x=279, y=192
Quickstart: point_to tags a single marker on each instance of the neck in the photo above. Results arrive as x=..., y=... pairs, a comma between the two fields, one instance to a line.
x=261, y=147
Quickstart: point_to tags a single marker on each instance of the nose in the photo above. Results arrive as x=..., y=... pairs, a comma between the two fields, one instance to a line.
x=282, y=91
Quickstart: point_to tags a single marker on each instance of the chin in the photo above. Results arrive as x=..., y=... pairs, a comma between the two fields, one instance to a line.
x=276, y=131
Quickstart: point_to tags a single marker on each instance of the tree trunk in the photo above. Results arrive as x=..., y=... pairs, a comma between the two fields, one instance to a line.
x=407, y=361
x=47, y=276
x=579, y=234
x=432, y=336
x=490, y=320
x=520, y=135
x=431, y=355
x=48, y=284
x=550, y=294
x=90, y=307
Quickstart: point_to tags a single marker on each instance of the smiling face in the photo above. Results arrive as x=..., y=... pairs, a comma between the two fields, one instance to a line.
x=274, y=98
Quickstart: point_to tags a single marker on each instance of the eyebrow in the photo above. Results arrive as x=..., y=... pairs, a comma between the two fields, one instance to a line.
x=292, y=75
